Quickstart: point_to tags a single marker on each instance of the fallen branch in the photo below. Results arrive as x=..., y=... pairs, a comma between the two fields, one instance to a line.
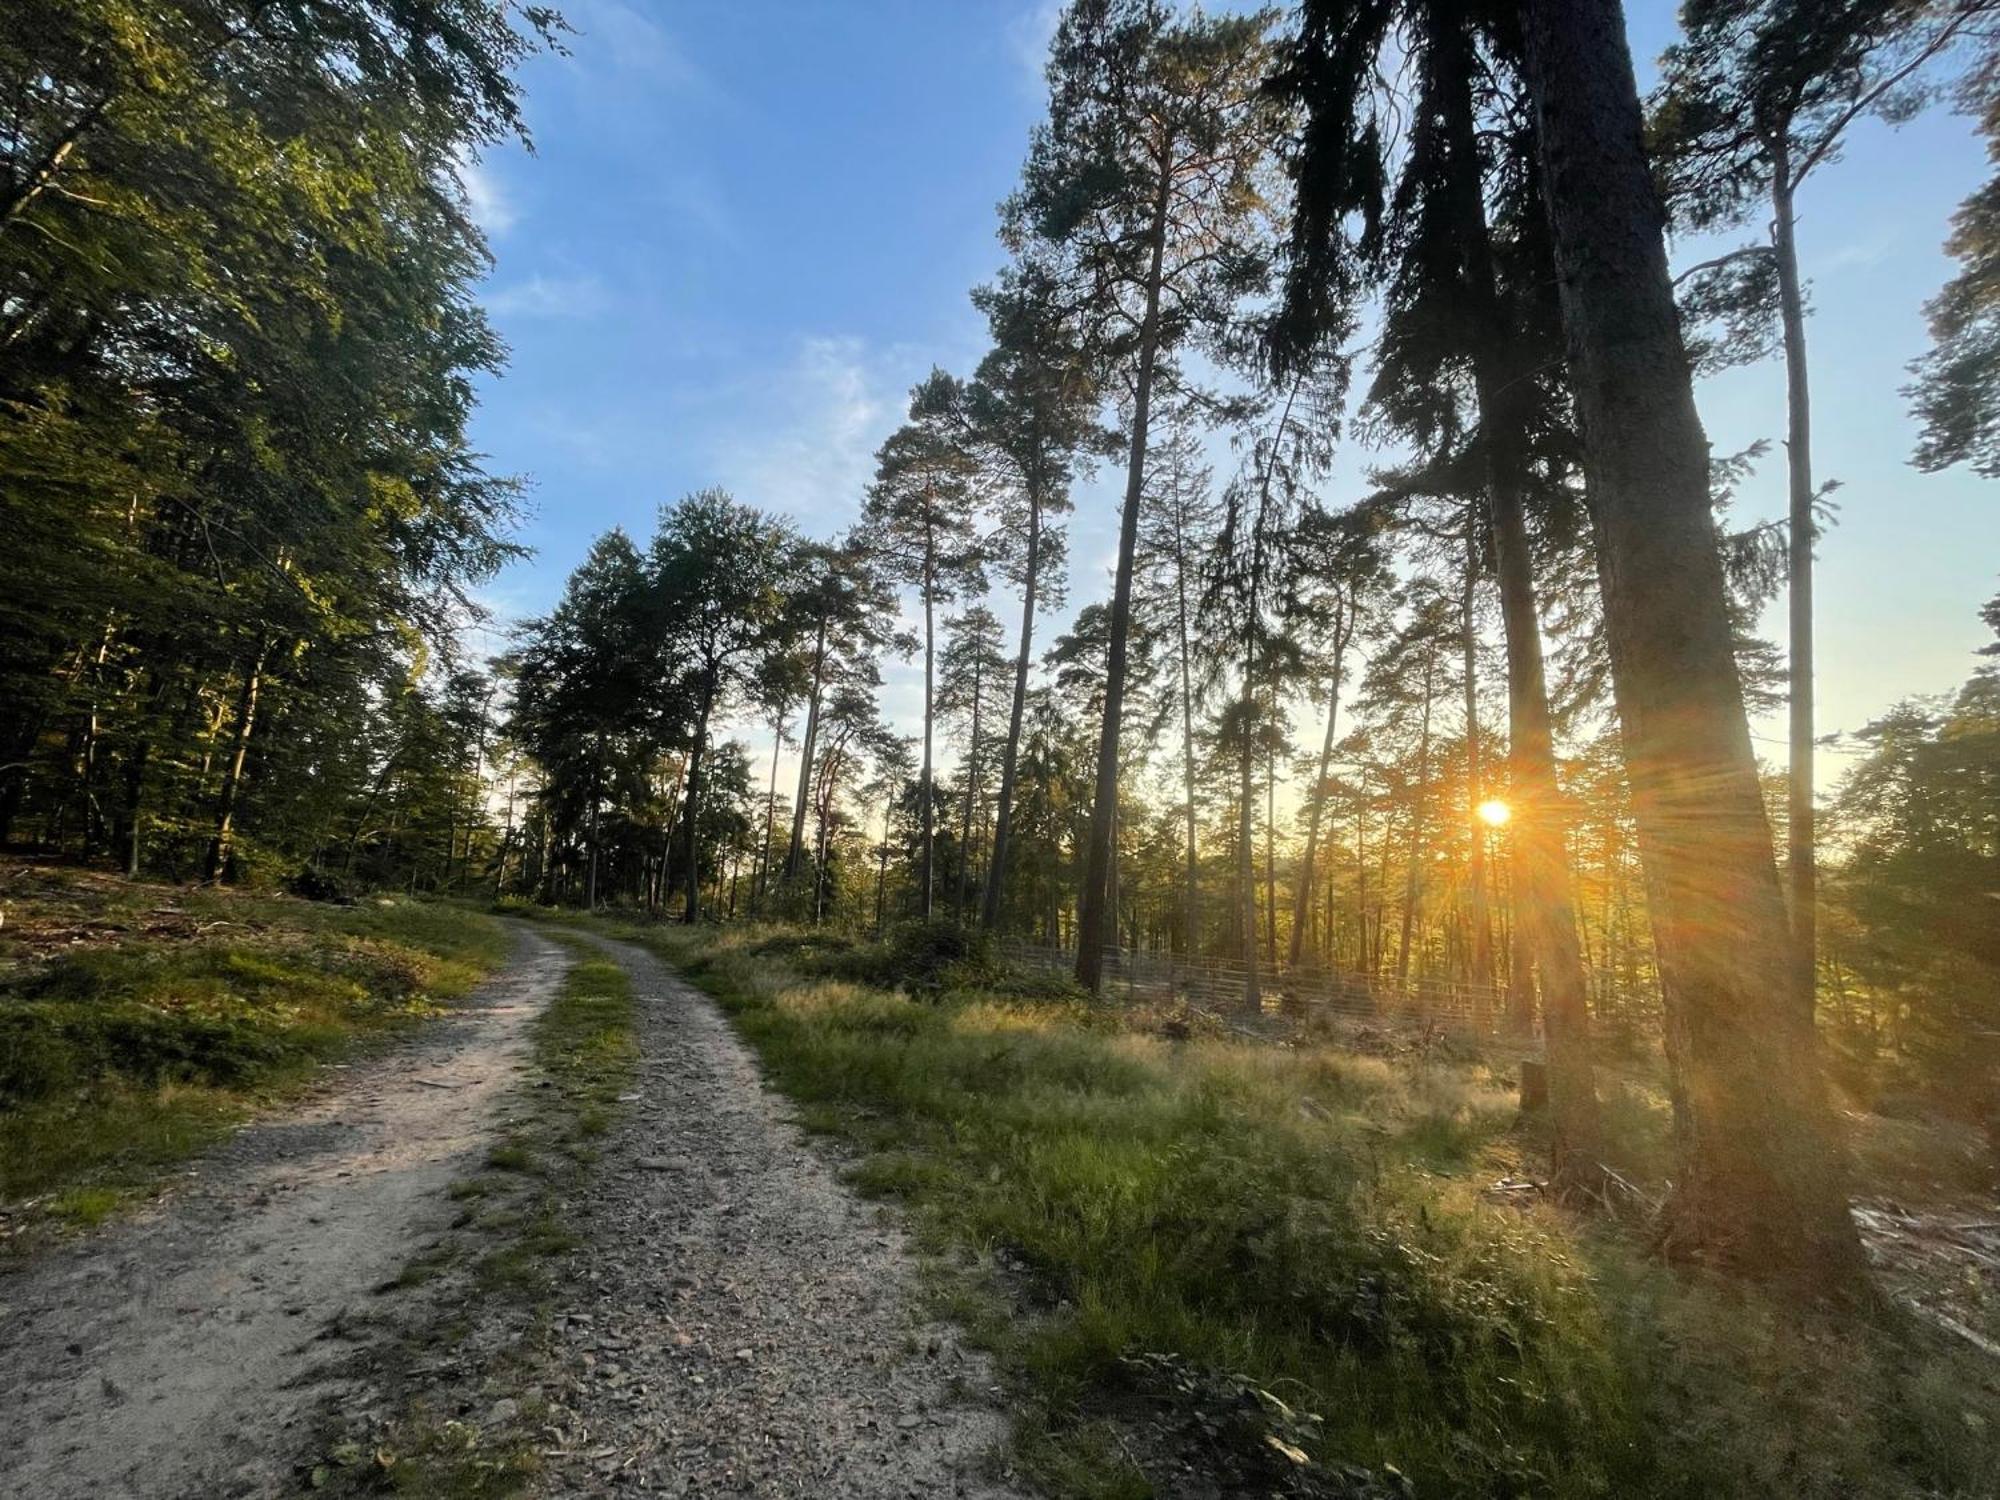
x=1951, y=1325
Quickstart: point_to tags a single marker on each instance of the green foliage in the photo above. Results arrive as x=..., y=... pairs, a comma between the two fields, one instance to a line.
x=616, y=690
x=926, y=958
x=238, y=350
x=1921, y=816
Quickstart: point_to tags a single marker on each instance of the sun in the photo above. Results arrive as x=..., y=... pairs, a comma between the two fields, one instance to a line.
x=1493, y=812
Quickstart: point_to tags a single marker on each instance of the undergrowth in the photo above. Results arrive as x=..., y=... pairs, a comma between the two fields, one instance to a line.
x=119, y=1060
x=1150, y=1223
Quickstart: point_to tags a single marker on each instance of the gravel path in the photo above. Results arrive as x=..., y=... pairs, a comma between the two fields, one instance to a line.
x=178, y=1353
x=738, y=1321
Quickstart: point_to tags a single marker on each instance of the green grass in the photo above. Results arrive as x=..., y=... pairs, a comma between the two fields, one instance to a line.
x=505, y=1249
x=1292, y=1242
x=117, y=1062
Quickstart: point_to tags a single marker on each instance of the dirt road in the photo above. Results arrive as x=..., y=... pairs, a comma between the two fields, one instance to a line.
x=735, y=1319
x=738, y=1321
x=180, y=1353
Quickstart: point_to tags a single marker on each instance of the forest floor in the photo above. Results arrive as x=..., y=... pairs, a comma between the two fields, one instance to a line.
x=719, y=1211
x=185, y=1350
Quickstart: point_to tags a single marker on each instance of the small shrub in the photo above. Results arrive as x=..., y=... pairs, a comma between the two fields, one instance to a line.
x=926, y=958
x=315, y=884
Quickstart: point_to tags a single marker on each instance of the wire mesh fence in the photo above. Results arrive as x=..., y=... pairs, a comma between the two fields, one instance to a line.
x=1222, y=985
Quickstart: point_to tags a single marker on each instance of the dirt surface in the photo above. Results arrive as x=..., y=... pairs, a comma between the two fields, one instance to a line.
x=181, y=1353
x=738, y=1321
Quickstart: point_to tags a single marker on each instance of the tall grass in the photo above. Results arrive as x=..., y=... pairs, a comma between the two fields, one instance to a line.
x=1309, y=1225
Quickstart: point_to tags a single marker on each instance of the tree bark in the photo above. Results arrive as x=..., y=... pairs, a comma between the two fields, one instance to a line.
x=1545, y=932
x=222, y=844
x=882, y=866
x=1413, y=881
x=1003, y=817
x=1190, y=938
x=691, y=804
x=1271, y=857
x=1317, y=807
x=761, y=877
x=928, y=812
x=1762, y=1181
x=1801, y=854
x=1098, y=853
x=1482, y=925
x=965, y=817
x=795, y=850
x=1246, y=874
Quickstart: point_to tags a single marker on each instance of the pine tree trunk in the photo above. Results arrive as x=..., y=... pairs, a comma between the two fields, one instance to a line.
x=1413, y=883
x=1098, y=854
x=926, y=808
x=1482, y=925
x=795, y=850
x=1003, y=817
x=965, y=813
x=1317, y=806
x=760, y=878
x=135, y=786
x=1271, y=858
x=882, y=870
x=1801, y=854
x=1190, y=939
x=1762, y=1181
x=1361, y=956
x=1246, y=875
x=1545, y=934
x=691, y=806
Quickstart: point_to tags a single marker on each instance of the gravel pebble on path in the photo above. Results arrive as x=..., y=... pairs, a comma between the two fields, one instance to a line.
x=739, y=1321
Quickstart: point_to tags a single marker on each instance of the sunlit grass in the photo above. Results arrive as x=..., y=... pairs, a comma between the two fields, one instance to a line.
x=1312, y=1222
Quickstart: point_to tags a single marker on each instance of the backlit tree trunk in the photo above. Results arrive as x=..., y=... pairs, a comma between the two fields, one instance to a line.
x=1545, y=937
x=1098, y=853
x=1003, y=816
x=1762, y=1181
x=1801, y=855
x=1301, y=901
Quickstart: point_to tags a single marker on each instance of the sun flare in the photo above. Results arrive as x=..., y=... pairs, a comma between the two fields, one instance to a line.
x=1494, y=813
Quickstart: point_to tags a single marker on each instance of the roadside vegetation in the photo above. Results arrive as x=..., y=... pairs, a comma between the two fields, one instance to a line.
x=1292, y=1265
x=488, y=1285
x=140, y=1022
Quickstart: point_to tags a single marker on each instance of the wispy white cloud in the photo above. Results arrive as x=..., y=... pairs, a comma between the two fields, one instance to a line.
x=486, y=196
x=1029, y=34
x=1856, y=255
x=828, y=410
x=541, y=296
x=611, y=37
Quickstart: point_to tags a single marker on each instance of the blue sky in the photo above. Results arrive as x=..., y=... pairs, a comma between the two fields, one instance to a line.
x=749, y=227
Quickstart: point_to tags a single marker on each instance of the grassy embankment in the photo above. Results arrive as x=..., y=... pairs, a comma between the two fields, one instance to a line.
x=1240, y=1252
x=140, y=1022
x=489, y=1284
